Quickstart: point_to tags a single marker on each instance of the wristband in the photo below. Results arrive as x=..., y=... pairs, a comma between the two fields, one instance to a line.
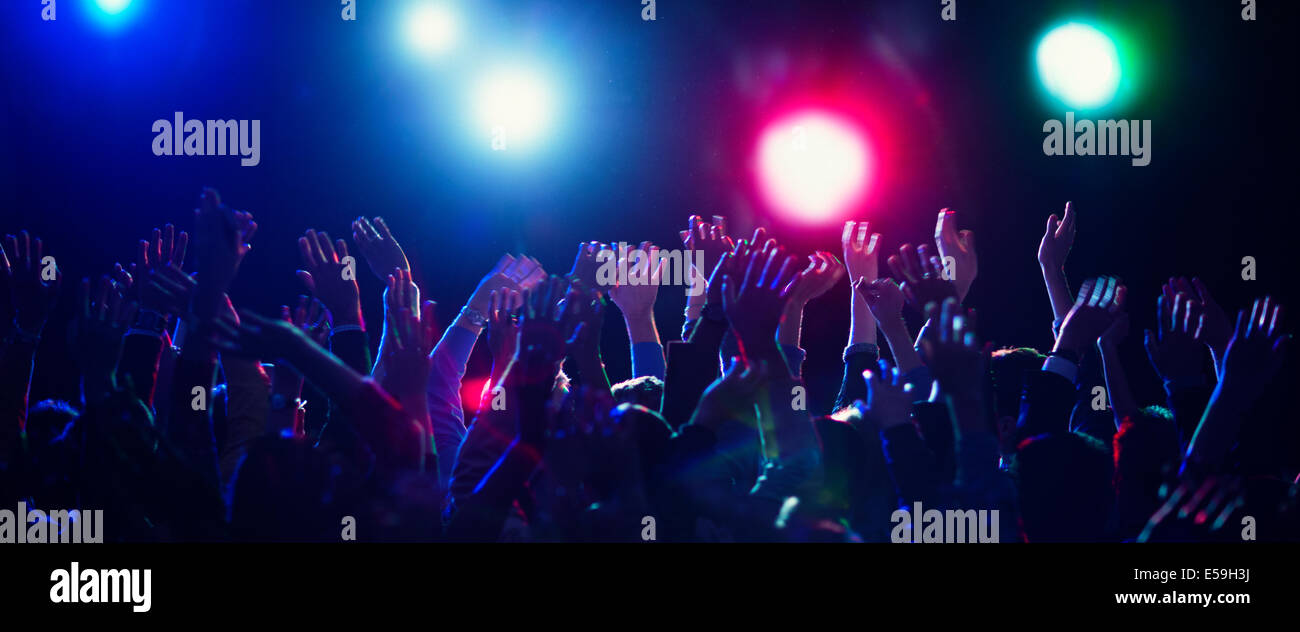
x=861, y=347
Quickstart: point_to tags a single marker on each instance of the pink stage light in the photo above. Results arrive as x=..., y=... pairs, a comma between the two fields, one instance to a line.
x=813, y=166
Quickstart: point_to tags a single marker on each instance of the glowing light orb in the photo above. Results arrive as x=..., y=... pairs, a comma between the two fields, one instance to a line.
x=812, y=166
x=431, y=28
x=515, y=105
x=1079, y=65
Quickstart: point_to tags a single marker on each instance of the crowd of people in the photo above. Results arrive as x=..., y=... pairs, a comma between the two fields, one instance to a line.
x=192, y=424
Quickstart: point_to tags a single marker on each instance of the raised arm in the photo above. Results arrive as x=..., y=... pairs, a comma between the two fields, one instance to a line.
x=33, y=279
x=636, y=299
x=1052, y=252
x=1253, y=357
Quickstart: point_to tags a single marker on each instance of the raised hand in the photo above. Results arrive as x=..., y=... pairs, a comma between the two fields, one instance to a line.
x=1214, y=329
x=586, y=264
x=34, y=281
x=884, y=298
x=1253, y=357
x=503, y=327
x=164, y=249
x=527, y=272
x=952, y=352
x=1052, y=251
x=223, y=237
x=311, y=316
x=1057, y=240
x=922, y=275
x=754, y=305
x=710, y=238
x=1256, y=350
x=1174, y=352
x=412, y=335
x=542, y=336
x=166, y=289
x=638, y=300
x=822, y=273
x=329, y=278
x=889, y=399
x=498, y=278
x=584, y=315
x=731, y=397
x=1099, y=303
x=102, y=319
x=861, y=251
x=376, y=243
x=960, y=245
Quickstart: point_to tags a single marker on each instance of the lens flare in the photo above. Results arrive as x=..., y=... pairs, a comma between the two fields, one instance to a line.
x=431, y=28
x=812, y=166
x=1079, y=65
x=515, y=105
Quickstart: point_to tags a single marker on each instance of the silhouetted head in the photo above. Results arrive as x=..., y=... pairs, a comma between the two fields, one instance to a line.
x=646, y=390
x=1008, y=368
x=1065, y=487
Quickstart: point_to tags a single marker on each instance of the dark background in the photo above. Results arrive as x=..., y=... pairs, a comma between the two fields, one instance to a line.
x=656, y=121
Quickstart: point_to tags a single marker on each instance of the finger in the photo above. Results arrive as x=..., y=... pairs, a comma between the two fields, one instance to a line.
x=1275, y=323
x=847, y=235
x=382, y=229
x=907, y=257
x=307, y=248
x=966, y=238
x=1164, y=314
x=873, y=244
x=1121, y=297
x=729, y=297
x=896, y=267
x=1264, y=311
x=945, y=230
x=326, y=247
x=864, y=228
x=786, y=274
x=720, y=224
x=178, y=251
x=1108, y=294
x=1256, y=313
x=1067, y=224
x=341, y=247
x=1202, y=292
